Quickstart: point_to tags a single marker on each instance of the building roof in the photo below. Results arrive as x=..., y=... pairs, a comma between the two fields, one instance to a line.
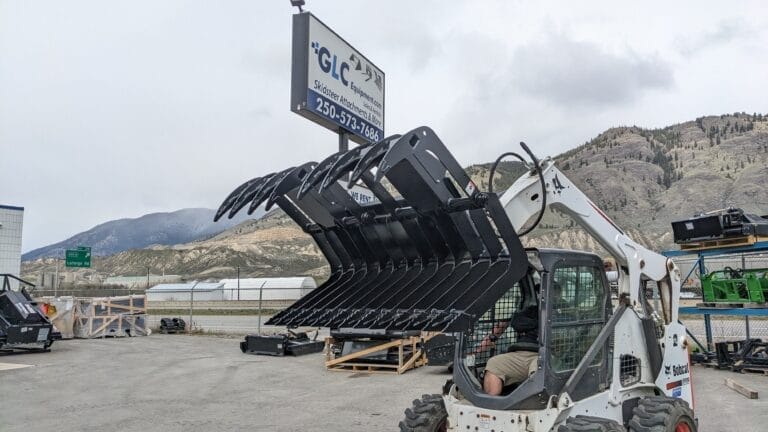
x=271, y=283
x=7, y=207
x=186, y=287
x=140, y=279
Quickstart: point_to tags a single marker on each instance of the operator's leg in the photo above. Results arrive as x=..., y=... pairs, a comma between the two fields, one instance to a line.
x=492, y=384
x=506, y=369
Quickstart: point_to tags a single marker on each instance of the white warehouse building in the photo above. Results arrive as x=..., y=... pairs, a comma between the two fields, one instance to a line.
x=191, y=291
x=11, y=223
x=281, y=288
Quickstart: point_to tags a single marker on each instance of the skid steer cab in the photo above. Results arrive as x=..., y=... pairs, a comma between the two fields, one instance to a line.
x=569, y=292
x=433, y=252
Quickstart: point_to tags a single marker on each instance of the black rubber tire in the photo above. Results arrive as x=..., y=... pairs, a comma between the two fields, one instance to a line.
x=427, y=414
x=582, y=423
x=661, y=414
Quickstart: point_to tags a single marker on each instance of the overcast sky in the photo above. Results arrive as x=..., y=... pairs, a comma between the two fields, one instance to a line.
x=118, y=109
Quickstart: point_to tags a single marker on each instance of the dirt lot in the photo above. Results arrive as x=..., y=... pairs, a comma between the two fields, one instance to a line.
x=198, y=383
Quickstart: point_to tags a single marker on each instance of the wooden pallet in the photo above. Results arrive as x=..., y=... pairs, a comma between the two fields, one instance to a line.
x=754, y=370
x=369, y=368
x=722, y=243
x=352, y=362
x=710, y=365
x=731, y=305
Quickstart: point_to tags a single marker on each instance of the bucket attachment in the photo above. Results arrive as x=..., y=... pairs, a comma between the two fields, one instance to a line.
x=433, y=256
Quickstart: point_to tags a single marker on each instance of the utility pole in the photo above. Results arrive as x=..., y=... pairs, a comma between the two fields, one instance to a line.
x=56, y=280
x=147, y=277
x=238, y=283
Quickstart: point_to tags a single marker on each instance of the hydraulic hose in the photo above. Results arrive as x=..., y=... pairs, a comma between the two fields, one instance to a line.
x=537, y=167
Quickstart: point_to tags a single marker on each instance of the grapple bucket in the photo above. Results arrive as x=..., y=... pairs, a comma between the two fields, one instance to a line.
x=433, y=253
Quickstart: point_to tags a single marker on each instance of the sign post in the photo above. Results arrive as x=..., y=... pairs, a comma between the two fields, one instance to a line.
x=334, y=85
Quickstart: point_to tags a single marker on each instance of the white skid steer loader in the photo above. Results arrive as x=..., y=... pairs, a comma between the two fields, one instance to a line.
x=434, y=253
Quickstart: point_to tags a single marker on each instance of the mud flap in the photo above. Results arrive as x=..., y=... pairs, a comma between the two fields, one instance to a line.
x=434, y=253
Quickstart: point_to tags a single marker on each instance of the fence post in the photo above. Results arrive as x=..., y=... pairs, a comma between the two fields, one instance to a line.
x=261, y=291
x=191, y=304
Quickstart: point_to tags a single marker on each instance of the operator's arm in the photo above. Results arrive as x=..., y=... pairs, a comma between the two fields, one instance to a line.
x=489, y=340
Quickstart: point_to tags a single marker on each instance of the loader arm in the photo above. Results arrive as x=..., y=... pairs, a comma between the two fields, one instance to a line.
x=523, y=200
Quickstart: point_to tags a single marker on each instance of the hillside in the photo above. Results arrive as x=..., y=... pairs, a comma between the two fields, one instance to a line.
x=115, y=236
x=642, y=178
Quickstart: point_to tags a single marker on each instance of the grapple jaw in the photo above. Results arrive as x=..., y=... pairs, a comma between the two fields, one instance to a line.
x=436, y=257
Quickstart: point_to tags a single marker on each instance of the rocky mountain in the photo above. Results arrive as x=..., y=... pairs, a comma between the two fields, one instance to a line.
x=642, y=178
x=115, y=236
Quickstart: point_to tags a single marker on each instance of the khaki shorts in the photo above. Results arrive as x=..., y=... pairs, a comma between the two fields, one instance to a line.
x=514, y=367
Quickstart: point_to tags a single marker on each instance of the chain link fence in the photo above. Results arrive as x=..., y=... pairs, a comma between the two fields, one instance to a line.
x=86, y=291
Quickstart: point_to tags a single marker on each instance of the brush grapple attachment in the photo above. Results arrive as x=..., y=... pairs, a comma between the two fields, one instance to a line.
x=432, y=253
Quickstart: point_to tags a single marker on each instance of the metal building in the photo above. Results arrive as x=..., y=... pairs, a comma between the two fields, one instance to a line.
x=11, y=222
x=280, y=288
x=197, y=291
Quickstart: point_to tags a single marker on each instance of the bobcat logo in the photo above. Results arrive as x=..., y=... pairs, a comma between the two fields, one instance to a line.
x=676, y=369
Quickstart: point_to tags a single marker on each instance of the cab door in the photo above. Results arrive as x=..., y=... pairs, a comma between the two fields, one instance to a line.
x=578, y=306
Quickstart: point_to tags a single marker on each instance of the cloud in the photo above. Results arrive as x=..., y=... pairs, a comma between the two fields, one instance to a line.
x=725, y=32
x=570, y=73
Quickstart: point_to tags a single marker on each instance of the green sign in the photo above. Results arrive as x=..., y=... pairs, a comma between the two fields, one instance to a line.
x=80, y=257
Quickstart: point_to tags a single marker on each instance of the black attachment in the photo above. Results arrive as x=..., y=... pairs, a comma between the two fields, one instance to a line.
x=23, y=326
x=432, y=253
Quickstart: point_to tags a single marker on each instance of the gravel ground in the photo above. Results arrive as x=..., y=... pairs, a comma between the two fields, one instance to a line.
x=201, y=383
x=244, y=324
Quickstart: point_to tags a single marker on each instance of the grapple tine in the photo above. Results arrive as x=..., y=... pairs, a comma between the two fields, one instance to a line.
x=343, y=165
x=229, y=201
x=289, y=182
x=348, y=161
x=317, y=174
x=369, y=160
x=265, y=191
x=246, y=194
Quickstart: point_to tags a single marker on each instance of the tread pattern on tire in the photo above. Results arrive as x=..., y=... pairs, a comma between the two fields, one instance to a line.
x=425, y=415
x=581, y=423
x=660, y=414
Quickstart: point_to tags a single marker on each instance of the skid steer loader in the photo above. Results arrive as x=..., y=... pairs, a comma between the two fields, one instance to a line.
x=435, y=253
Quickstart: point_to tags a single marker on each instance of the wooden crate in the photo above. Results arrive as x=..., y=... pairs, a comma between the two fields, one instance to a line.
x=111, y=316
x=352, y=362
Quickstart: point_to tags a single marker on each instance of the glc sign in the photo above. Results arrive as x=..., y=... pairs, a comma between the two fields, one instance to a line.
x=333, y=84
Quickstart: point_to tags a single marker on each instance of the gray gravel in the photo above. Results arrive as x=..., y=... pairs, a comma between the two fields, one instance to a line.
x=201, y=383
